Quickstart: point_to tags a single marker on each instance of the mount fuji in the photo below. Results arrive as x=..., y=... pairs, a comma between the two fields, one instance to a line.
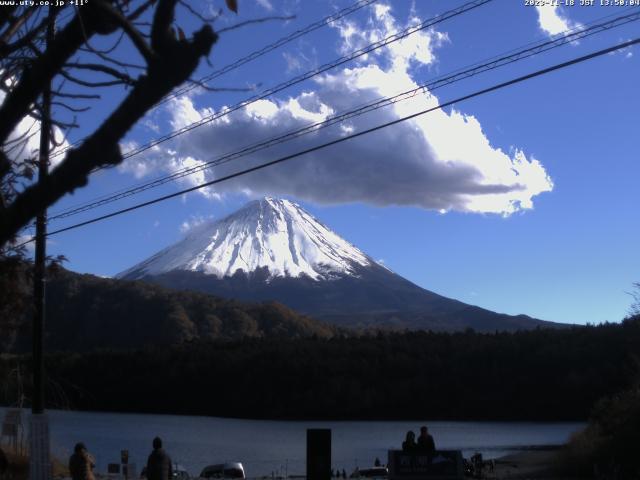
x=276, y=235
x=273, y=249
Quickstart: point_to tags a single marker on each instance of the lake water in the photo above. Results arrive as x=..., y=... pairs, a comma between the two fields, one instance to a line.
x=266, y=447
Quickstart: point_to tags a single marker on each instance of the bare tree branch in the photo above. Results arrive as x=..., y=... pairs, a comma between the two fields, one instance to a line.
x=171, y=65
x=7, y=48
x=198, y=15
x=106, y=51
x=114, y=61
x=22, y=136
x=6, y=14
x=140, y=10
x=43, y=69
x=97, y=67
x=254, y=21
x=91, y=84
x=77, y=96
x=70, y=108
x=135, y=36
x=15, y=25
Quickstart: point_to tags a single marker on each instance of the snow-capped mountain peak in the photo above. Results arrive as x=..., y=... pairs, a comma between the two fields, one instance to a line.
x=270, y=233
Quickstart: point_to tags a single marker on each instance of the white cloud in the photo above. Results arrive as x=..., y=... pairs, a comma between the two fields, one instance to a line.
x=294, y=63
x=157, y=160
x=627, y=52
x=299, y=61
x=266, y=4
x=24, y=141
x=151, y=125
x=441, y=161
x=184, y=113
x=30, y=247
x=194, y=221
x=552, y=21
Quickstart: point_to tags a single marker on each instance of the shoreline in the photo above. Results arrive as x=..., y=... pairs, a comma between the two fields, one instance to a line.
x=531, y=464
x=534, y=464
x=295, y=419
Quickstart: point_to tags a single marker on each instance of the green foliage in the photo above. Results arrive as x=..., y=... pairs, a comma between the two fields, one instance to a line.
x=609, y=444
x=634, y=309
x=16, y=296
x=131, y=346
x=536, y=375
x=608, y=447
x=616, y=424
x=85, y=312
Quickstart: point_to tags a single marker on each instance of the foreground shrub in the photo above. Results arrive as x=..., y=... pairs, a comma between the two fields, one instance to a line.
x=610, y=445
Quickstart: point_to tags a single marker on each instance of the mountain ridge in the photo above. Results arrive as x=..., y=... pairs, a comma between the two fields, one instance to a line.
x=274, y=250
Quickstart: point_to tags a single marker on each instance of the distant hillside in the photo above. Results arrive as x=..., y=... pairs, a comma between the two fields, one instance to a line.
x=376, y=299
x=85, y=312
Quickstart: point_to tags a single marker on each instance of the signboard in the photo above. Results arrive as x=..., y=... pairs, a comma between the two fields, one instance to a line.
x=318, y=454
x=9, y=430
x=12, y=421
x=441, y=464
x=13, y=416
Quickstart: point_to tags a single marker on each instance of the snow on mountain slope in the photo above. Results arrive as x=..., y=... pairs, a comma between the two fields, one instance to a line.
x=271, y=233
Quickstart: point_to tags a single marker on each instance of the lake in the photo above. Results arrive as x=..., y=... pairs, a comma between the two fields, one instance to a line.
x=266, y=447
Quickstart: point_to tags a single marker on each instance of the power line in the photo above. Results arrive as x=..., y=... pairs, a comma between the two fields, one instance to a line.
x=310, y=74
x=269, y=48
x=253, y=55
x=477, y=68
x=460, y=74
x=477, y=93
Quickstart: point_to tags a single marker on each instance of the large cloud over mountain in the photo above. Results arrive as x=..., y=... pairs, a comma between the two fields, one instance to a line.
x=442, y=160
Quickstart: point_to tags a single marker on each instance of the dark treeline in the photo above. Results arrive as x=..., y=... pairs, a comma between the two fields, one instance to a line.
x=535, y=375
x=85, y=312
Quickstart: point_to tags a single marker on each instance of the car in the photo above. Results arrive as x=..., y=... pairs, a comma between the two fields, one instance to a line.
x=180, y=473
x=227, y=470
x=373, y=472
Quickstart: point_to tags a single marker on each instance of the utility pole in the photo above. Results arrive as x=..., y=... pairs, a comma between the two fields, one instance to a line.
x=39, y=455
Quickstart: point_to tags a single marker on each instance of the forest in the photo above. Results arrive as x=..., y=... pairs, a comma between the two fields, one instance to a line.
x=529, y=375
x=85, y=312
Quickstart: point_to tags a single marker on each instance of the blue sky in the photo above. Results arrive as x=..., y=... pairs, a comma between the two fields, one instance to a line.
x=521, y=201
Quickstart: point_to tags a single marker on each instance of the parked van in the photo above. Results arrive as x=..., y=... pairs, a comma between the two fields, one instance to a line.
x=224, y=470
x=373, y=472
x=180, y=473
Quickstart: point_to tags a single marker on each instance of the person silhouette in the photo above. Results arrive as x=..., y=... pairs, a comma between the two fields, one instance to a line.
x=81, y=463
x=409, y=444
x=425, y=441
x=159, y=465
x=4, y=462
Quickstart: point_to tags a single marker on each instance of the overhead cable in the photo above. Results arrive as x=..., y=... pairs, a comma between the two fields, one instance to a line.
x=491, y=64
x=286, y=158
x=310, y=74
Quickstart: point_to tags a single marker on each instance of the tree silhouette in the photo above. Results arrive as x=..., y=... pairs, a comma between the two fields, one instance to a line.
x=28, y=64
